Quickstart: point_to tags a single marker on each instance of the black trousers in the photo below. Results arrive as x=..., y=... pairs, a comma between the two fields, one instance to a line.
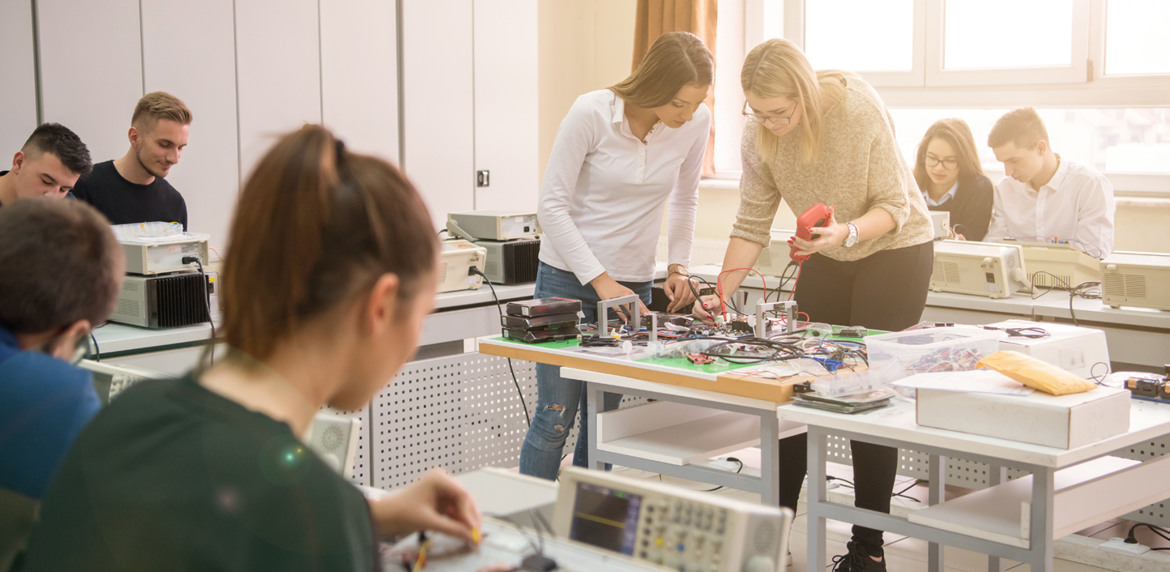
x=884, y=291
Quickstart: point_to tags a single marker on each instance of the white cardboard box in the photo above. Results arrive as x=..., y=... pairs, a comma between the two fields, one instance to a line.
x=1072, y=348
x=1064, y=422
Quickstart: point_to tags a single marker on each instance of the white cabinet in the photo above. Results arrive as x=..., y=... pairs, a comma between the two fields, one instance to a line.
x=91, y=70
x=438, y=92
x=506, y=103
x=470, y=101
x=188, y=50
x=359, y=74
x=278, y=61
x=18, y=90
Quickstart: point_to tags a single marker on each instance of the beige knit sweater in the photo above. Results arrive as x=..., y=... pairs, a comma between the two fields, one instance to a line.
x=860, y=168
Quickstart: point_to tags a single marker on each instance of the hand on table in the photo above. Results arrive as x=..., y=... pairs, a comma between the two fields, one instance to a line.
x=678, y=291
x=707, y=315
x=435, y=503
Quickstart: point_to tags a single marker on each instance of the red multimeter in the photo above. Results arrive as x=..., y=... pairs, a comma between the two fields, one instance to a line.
x=816, y=215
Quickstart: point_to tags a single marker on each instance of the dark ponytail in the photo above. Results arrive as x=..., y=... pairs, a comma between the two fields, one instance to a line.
x=315, y=225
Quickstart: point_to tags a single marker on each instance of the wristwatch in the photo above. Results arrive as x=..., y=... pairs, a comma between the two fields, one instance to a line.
x=677, y=269
x=854, y=235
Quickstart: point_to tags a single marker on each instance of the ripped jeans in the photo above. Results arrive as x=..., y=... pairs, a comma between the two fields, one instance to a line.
x=558, y=399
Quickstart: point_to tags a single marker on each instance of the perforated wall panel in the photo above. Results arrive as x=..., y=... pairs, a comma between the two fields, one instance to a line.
x=459, y=412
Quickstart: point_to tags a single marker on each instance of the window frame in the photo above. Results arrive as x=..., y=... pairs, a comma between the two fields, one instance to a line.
x=794, y=30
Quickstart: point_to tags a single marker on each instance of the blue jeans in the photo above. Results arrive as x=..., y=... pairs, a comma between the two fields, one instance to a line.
x=558, y=399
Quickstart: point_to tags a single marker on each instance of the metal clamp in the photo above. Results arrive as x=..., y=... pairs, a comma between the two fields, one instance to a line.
x=790, y=315
x=604, y=306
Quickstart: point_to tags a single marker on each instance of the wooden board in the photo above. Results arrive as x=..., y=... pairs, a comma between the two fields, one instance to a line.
x=694, y=377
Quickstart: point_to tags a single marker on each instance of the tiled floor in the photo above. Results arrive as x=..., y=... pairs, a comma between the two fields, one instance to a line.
x=903, y=554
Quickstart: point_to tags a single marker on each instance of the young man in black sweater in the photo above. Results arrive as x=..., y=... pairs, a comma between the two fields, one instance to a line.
x=47, y=165
x=134, y=188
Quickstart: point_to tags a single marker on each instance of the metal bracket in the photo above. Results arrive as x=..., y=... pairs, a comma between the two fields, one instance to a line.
x=603, y=312
x=654, y=326
x=790, y=315
x=483, y=178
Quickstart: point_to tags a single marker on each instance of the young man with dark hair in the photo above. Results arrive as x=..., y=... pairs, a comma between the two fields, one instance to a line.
x=1043, y=196
x=48, y=165
x=44, y=320
x=134, y=188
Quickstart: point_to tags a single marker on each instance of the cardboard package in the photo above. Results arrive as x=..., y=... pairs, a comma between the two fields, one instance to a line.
x=1064, y=421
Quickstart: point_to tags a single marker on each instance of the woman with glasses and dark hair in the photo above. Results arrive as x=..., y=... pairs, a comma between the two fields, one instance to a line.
x=952, y=180
x=620, y=156
x=826, y=137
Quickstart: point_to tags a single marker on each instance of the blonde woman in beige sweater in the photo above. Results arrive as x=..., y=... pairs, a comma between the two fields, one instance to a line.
x=825, y=137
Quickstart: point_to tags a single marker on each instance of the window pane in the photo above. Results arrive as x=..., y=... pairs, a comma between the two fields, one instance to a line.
x=1007, y=33
x=1136, y=41
x=1129, y=140
x=875, y=36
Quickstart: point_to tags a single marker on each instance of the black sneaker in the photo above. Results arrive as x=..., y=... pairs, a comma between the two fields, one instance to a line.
x=857, y=560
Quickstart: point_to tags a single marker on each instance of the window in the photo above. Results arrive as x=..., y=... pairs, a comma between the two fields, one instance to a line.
x=1119, y=142
x=1135, y=37
x=884, y=29
x=980, y=34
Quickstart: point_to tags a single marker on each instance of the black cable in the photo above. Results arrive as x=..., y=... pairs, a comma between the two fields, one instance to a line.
x=97, y=350
x=784, y=278
x=206, y=299
x=1100, y=379
x=500, y=309
x=1131, y=539
x=737, y=471
x=902, y=492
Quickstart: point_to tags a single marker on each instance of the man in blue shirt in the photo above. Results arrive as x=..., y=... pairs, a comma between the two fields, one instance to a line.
x=62, y=270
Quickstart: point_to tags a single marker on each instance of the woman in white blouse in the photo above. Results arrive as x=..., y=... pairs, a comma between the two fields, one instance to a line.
x=620, y=156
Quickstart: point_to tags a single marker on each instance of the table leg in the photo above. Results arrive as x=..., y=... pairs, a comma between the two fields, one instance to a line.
x=1043, y=489
x=769, y=457
x=595, y=399
x=938, y=484
x=817, y=496
x=996, y=474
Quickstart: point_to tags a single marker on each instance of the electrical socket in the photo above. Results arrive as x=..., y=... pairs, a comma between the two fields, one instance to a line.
x=1119, y=545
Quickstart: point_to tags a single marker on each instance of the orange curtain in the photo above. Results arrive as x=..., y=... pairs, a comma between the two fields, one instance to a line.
x=657, y=17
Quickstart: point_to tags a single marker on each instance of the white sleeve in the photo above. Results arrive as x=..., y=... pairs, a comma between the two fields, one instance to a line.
x=573, y=142
x=1095, y=211
x=998, y=228
x=684, y=199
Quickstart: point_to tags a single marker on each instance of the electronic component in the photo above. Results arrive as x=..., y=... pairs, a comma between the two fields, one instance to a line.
x=149, y=256
x=493, y=225
x=992, y=269
x=817, y=215
x=457, y=257
x=853, y=332
x=552, y=322
x=1147, y=385
x=511, y=262
x=541, y=335
x=162, y=301
x=110, y=380
x=941, y=222
x=335, y=440
x=543, y=307
x=1075, y=349
x=1057, y=265
x=1138, y=279
x=669, y=526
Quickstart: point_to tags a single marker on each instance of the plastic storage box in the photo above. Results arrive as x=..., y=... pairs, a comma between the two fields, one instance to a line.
x=897, y=355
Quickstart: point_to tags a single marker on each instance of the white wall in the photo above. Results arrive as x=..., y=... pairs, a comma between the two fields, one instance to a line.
x=278, y=72
x=18, y=103
x=188, y=49
x=91, y=70
x=359, y=74
x=438, y=88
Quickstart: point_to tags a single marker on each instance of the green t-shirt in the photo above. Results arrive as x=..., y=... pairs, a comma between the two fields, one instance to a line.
x=172, y=476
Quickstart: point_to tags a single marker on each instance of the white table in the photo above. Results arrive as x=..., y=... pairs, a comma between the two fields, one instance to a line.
x=1068, y=489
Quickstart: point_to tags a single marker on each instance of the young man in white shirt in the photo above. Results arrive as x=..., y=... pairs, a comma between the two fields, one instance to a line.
x=1044, y=197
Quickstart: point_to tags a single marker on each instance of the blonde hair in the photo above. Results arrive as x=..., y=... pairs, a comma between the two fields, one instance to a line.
x=159, y=105
x=675, y=60
x=777, y=68
x=1022, y=126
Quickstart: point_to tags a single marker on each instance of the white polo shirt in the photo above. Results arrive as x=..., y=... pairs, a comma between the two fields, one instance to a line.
x=604, y=190
x=1077, y=205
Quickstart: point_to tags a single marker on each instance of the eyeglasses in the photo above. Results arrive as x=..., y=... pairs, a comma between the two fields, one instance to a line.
x=754, y=118
x=948, y=164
